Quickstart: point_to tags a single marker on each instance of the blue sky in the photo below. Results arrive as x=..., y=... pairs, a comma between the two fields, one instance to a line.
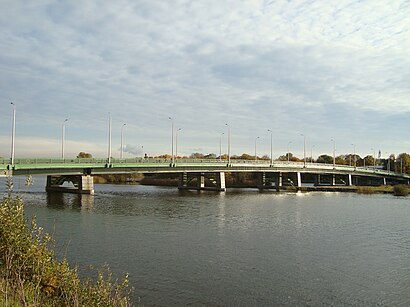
x=327, y=69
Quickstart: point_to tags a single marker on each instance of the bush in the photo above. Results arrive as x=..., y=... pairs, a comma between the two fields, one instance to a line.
x=31, y=274
x=400, y=190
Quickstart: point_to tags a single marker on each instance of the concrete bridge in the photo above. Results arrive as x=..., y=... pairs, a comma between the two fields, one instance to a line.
x=201, y=174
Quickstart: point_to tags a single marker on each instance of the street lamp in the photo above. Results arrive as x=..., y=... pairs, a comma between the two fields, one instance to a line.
x=374, y=159
x=288, y=153
x=13, y=133
x=172, y=139
x=229, y=144
x=122, y=145
x=271, y=148
x=109, y=138
x=354, y=155
x=304, y=149
x=311, y=153
x=388, y=162
x=220, y=146
x=256, y=157
x=176, y=143
x=63, y=138
x=334, y=152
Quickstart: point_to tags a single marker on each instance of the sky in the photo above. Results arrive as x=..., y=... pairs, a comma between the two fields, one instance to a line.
x=326, y=69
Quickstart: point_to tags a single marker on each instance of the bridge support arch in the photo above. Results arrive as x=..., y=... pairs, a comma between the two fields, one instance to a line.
x=81, y=184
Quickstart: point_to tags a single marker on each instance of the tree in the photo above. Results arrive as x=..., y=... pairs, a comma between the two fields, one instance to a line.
x=369, y=160
x=325, y=159
x=166, y=156
x=84, y=155
x=350, y=159
x=341, y=160
x=245, y=156
x=196, y=155
x=210, y=156
x=290, y=156
x=403, y=161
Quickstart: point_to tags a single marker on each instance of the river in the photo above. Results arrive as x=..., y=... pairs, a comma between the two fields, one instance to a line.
x=238, y=248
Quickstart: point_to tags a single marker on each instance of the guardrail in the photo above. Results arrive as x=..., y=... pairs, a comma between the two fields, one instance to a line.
x=93, y=162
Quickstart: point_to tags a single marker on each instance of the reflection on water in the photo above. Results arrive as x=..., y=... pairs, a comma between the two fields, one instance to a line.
x=239, y=248
x=57, y=200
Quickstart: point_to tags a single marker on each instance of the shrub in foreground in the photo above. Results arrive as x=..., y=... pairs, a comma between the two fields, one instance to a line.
x=400, y=190
x=31, y=274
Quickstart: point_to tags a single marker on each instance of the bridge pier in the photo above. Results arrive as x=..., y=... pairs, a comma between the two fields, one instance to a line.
x=278, y=181
x=349, y=181
x=218, y=180
x=82, y=184
x=317, y=180
x=200, y=179
x=298, y=180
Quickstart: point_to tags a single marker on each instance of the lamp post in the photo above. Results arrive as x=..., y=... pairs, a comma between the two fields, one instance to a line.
x=172, y=139
x=109, y=138
x=13, y=134
x=256, y=157
x=388, y=162
x=271, y=148
x=311, y=153
x=304, y=149
x=354, y=155
x=288, y=154
x=63, y=138
x=176, y=143
x=122, y=144
x=220, y=146
x=334, y=153
x=229, y=144
x=374, y=158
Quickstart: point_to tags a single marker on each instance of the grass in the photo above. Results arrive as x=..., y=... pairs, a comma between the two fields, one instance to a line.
x=31, y=274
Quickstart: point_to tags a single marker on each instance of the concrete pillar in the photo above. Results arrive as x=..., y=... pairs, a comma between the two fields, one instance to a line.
x=86, y=184
x=261, y=180
x=278, y=181
x=317, y=180
x=384, y=181
x=201, y=181
x=333, y=180
x=183, y=180
x=349, y=180
x=298, y=180
x=221, y=181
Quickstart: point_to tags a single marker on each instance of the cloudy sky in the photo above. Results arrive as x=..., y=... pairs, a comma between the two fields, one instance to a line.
x=327, y=69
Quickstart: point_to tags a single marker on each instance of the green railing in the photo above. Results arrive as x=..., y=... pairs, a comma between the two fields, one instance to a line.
x=54, y=163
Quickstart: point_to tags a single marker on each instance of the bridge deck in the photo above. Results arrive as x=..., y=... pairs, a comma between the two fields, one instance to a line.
x=152, y=165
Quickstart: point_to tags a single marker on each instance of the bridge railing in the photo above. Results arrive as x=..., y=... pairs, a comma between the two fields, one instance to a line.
x=95, y=162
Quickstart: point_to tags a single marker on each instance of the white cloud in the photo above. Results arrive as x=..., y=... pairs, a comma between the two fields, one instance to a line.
x=254, y=64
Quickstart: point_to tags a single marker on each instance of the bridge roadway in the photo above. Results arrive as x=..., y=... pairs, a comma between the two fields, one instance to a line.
x=78, y=171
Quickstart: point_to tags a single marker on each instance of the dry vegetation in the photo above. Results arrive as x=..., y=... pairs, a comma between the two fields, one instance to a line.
x=31, y=274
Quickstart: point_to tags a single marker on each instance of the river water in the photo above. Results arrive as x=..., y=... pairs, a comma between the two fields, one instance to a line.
x=239, y=248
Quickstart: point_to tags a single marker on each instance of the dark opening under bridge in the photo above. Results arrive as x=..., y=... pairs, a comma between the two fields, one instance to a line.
x=200, y=174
